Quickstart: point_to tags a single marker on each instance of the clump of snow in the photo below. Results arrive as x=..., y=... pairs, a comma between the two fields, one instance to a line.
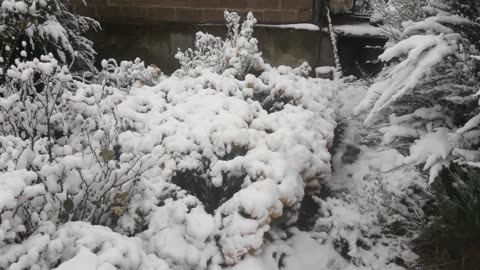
x=296, y=26
x=364, y=29
x=424, y=52
x=433, y=150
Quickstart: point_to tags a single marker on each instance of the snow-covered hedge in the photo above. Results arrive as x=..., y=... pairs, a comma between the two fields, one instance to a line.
x=131, y=169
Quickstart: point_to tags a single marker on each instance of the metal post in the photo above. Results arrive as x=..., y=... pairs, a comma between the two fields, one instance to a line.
x=317, y=10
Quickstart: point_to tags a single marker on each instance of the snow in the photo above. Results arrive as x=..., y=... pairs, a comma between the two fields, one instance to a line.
x=424, y=52
x=369, y=192
x=12, y=186
x=433, y=148
x=471, y=124
x=325, y=69
x=363, y=29
x=200, y=225
x=297, y=26
x=84, y=260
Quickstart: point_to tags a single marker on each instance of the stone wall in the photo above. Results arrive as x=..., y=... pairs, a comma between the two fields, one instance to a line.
x=195, y=11
x=159, y=44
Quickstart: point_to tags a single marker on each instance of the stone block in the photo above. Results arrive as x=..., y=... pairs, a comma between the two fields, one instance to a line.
x=120, y=3
x=296, y=4
x=263, y=4
x=135, y=13
x=163, y=14
x=204, y=3
x=108, y=12
x=229, y=4
x=280, y=16
x=162, y=3
x=305, y=16
x=213, y=15
x=189, y=15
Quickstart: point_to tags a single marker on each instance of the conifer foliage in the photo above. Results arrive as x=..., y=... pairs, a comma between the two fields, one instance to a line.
x=30, y=28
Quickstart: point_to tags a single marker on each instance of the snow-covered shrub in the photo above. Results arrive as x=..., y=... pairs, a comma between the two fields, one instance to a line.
x=374, y=204
x=363, y=7
x=126, y=168
x=30, y=28
x=425, y=103
x=237, y=54
x=430, y=92
x=34, y=94
x=62, y=160
x=115, y=154
x=218, y=142
x=125, y=75
x=65, y=133
x=393, y=13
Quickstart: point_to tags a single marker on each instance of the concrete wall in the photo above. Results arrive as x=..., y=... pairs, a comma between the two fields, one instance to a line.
x=158, y=45
x=154, y=29
x=205, y=11
x=195, y=11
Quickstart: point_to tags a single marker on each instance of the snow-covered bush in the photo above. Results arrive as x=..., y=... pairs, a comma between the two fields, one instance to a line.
x=125, y=75
x=376, y=213
x=114, y=153
x=30, y=28
x=425, y=103
x=219, y=144
x=393, y=13
x=131, y=169
x=431, y=91
x=66, y=133
x=238, y=54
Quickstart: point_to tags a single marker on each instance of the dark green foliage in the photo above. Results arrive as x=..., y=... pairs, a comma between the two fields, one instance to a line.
x=68, y=205
x=453, y=231
x=199, y=184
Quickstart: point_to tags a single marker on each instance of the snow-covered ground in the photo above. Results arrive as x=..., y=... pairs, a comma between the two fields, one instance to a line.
x=359, y=30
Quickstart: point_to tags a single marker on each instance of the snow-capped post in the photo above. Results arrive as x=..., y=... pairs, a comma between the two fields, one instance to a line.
x=326, y=72
x=333, y=40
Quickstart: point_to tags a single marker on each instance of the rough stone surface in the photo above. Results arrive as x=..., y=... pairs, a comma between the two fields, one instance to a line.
x=195, y=11
x=204, y=11
x=159, y=44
